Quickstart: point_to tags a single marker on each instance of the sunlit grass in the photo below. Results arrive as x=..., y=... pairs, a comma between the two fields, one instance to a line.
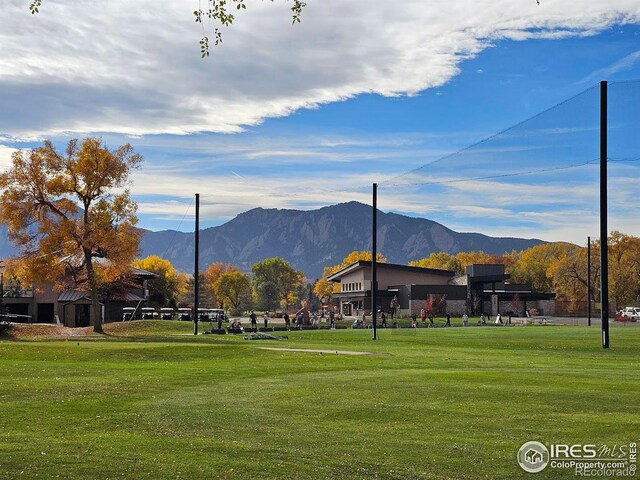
x=151, y=401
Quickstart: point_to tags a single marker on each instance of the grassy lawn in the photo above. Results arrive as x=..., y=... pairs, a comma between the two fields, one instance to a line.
x=150, y=401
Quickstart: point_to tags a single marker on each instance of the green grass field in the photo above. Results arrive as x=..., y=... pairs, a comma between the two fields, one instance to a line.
x=149, y=401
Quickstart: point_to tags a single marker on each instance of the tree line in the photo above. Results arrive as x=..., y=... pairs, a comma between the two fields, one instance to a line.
x=273, y=284
x=72, y=218
x=561, y=268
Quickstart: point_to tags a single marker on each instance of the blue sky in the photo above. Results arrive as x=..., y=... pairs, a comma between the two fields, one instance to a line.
x=312, y=115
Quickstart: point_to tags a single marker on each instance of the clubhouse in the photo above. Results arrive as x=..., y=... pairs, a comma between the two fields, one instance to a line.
x=481, y=289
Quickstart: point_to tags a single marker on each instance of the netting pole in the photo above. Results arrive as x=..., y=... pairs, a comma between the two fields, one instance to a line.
x=374, y=253
x=589, y=281
x=604, y=234
x=196, y=273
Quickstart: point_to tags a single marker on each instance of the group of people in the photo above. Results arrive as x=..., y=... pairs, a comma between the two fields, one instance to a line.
x=254, y=319
x=423, y=319
x=484, y=319
x=303, y=317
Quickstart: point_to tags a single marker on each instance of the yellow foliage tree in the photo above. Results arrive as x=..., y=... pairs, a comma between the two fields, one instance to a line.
x=275, y=282
x=460, y=260
x=213, y=273
x=476, y=257
x=170, y=283
x=439, y=260
x=624, y=269
x=534, y=264
x=63, y=211
x=569, y=272
x=569, y=275
x=234, y=288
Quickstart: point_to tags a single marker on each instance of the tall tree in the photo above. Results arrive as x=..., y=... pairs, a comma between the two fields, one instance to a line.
x=211, y=276
x=624, y=269
x=205, y=295
x=65, y=210
x=266, y=296
x=533, y=265
x=170, y=283
x=569, y=274
x=234, y=289
x=275, y=276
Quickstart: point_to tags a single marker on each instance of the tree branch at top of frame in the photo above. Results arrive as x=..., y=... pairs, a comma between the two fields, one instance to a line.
x=219, y=13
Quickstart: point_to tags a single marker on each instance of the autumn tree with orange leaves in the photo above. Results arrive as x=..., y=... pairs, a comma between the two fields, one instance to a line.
x=211, y=275
x=65, y=211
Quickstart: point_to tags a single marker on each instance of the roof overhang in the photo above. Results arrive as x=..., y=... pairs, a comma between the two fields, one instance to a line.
x=336, y=277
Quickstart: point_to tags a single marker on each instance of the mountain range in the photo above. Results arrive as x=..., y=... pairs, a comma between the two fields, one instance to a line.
x=311, y=240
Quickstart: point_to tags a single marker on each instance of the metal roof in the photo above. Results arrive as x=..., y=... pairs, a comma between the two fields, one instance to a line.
x=139, y=272
x=335, y=277
x=70, y=296
x=132, y=297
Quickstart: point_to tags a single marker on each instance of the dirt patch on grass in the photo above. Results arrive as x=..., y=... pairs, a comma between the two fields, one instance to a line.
x=41, y=331
x=44, y=331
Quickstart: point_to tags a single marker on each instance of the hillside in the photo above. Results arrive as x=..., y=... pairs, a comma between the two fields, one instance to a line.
x=310, y=240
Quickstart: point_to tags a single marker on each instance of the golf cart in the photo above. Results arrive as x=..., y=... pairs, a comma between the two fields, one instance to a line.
x=149, y=313
x=127, y=313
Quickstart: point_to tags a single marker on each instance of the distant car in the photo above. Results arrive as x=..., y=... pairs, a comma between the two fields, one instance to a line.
x=631, y=312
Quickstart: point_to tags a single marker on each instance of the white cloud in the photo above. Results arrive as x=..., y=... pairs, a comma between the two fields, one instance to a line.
x=623, y=64
x=5, y=156
x=551, y=210
x=134, y=68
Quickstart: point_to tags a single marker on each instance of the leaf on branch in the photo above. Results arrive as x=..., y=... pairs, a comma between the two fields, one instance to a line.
x=34, y=7
x=217, y=12
x=204, y=47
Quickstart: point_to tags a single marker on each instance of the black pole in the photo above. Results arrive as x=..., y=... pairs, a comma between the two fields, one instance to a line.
x=196, y=272
x=604, y=234
x=374, y=253
x=589, y=281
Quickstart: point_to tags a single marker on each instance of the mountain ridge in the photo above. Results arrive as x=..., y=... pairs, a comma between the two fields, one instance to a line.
x=313, y=239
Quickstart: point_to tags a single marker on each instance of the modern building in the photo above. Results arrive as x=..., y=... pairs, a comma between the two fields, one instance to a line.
x=482, y=289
